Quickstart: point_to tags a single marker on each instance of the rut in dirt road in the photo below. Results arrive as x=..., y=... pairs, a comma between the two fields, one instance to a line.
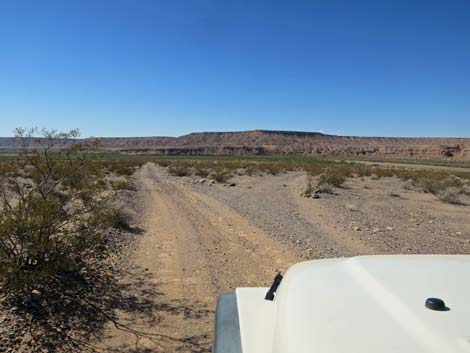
x=193, y=249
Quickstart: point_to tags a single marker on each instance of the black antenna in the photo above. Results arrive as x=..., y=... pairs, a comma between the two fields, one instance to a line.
x=273, y=289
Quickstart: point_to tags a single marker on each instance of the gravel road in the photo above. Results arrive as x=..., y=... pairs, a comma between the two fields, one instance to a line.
x=200, y=240
x=193, y=248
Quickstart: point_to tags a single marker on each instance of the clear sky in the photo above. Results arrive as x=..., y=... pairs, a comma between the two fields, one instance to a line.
x=154, y=67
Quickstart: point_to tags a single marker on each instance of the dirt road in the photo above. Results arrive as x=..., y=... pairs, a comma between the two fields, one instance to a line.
x=193, y=248
x=199, y=240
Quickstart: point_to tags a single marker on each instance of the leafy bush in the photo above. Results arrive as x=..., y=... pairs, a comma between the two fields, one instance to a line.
x=271, y=168
x=435, y=183
x=164, y=163
x=362, y=170
x=123, y=168
x=47, y=217
x=202, y=172
x=221, y=176
x=451, y=196
x=331, y=177
x=179, y=170
x=115, y=217
x=122, y=184
x=251, y=170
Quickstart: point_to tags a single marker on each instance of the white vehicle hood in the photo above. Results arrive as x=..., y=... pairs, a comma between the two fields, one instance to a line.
x=362, y=304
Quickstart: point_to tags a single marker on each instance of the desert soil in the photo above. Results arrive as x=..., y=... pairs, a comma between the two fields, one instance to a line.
x=193, y=248
x=199, y=240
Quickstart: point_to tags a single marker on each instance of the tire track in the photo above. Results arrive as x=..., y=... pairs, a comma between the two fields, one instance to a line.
x=193, y=248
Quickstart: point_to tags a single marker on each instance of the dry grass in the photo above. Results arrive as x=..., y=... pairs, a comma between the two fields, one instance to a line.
x=221, y=176
x=452, y=196
x=332, y=178
x=326, y=172
x=179, y=170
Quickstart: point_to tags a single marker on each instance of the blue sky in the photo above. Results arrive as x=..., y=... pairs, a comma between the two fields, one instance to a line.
x=151, y=67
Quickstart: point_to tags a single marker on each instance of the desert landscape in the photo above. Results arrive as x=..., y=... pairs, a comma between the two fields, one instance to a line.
x=185, y=230
x=211, y=238
x=231, y=177
x=286, y=143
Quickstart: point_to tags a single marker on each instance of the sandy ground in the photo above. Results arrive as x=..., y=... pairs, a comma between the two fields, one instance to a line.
x=200, y=240
x=194, y=247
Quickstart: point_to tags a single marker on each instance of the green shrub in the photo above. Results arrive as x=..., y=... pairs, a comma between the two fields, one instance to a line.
x=251, y=170
x=271, y=168
x=164, y=163
x=122, y=184
x=202, y=172
x=362, y=170
x=47, y=218
x=124, y=168
x=331, y=177
x=433, y=183
x=221, y=176
x=179, y=170
x=451, y=196
x=115, y=217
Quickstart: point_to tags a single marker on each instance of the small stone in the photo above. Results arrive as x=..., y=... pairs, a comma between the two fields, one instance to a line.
x=352, y=208
x=357, y=229
x=389, y=228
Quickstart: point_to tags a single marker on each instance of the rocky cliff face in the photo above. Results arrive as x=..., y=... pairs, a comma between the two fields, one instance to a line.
x=262, y=142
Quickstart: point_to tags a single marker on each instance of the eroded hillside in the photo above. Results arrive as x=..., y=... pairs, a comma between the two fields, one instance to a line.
x=263, y=142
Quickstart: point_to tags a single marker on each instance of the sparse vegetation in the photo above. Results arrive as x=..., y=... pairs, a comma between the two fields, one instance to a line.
x=309, y=188
x=221, y=176
x=451, y=196
x=122, y=184
x=43, y=188
x=409, y=185
x=271, y=168
x=327, y=172
x=45, y=223
x=202, y=172
x=333, y=178
x=118, y=217
x=55, y=208
x=179, y=170
x=75, y=251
